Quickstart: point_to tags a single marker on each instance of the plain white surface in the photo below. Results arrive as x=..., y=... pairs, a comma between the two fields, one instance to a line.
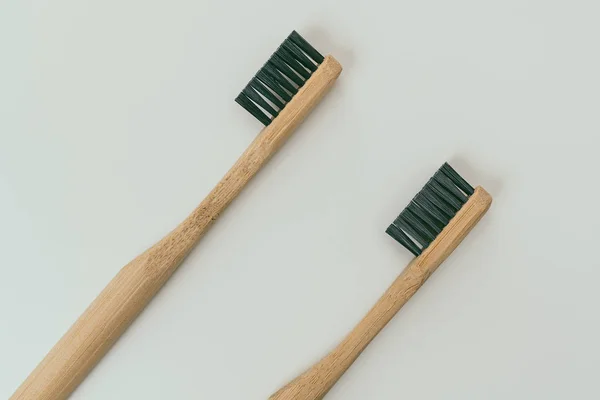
x=117, y=118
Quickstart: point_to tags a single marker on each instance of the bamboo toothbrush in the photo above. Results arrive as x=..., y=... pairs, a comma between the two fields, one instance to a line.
x=431, y=227
x=281, y=95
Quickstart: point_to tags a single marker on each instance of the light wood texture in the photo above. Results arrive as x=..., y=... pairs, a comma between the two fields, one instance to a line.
x=317, y=381
x=92, y=335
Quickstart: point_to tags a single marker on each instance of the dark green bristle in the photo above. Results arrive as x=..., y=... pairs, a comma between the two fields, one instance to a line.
x=430, y=210
x=279, y=79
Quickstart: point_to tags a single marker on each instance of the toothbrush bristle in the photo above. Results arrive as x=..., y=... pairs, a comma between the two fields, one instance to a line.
x=280, y=78
x=430, y=210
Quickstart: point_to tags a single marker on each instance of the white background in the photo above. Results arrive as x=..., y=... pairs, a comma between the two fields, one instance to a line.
x=117, y=118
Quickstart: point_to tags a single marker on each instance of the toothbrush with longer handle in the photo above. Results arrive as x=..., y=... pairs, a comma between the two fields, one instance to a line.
x=434, y=223
x=293, y=81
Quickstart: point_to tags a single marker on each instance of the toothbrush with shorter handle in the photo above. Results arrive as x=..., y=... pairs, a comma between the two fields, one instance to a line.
x=293, y=81
x=431, y=227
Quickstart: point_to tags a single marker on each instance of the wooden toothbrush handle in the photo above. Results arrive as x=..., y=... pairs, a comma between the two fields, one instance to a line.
x=92, y=335
x=315, y=383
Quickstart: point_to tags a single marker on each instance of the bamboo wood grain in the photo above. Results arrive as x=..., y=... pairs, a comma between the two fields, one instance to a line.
x=315, y=383
x=92, y=335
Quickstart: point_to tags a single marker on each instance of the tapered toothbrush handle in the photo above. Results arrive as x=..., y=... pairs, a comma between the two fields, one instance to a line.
x=93, y=334
x=315, y=383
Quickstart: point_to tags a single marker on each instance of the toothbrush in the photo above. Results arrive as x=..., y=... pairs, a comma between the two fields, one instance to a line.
x=280, y=96
x=431, y=227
